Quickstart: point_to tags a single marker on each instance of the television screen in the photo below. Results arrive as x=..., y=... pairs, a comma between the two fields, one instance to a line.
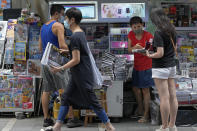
x=122, y=10
x=88, y=11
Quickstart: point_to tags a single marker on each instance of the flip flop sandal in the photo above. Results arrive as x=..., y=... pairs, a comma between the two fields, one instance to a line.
x=143, y=120
x=136, y=116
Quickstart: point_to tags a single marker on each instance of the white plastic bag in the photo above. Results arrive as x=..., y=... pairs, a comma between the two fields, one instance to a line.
x=98, y=80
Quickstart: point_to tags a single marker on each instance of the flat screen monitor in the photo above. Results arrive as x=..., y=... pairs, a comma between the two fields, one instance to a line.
x=122, y=10
x=89, y=9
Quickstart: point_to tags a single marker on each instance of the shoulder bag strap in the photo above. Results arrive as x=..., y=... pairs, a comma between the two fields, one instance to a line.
x=175, y=47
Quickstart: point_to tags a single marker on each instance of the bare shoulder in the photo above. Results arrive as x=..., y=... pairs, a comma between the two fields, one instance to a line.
x=58, y=25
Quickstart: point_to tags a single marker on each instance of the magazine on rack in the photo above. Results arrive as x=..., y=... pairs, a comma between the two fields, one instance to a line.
x=20, y=50
x=3, y=29
x=53, y=57
x=34, y=52
x=34, y=33
x=9, y=56
x=20, y=68
x=34, y=68
x=1, y=49
x=21, y=32
x=10, y=29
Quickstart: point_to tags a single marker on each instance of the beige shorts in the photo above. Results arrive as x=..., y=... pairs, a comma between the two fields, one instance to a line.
x=164, y=73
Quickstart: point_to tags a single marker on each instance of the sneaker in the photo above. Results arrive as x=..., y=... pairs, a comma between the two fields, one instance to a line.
x=161, y=129
x=173, y=128
x=48, y=122
x=71, y=123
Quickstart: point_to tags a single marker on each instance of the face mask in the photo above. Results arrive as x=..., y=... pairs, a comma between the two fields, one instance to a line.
x=61, y=19
x=139, y=31
x=66, y=25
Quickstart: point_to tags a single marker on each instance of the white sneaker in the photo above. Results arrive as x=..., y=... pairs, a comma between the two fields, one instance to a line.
x=161, y=129
x=173, y=128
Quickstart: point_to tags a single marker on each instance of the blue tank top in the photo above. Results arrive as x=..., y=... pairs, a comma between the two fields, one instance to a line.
x=48, y=36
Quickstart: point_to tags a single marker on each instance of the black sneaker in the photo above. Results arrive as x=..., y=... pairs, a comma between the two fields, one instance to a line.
x=71, y=123
x=48, y=122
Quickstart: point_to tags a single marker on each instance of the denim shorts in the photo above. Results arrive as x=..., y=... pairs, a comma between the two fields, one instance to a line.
x=142, y=79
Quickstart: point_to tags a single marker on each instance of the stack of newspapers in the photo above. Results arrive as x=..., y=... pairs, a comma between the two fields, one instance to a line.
x=107, y=64
x=53, y=57
x=120, y=70
x=115, y=67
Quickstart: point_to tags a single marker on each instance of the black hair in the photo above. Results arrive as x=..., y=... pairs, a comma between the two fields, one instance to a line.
x=162, y=22
x=56, y=8
x=74, y=13
x=136, y=20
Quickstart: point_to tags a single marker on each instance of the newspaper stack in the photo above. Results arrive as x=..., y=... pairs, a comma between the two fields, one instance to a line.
x=107, y=64
x=107, y=82
x=120, y=69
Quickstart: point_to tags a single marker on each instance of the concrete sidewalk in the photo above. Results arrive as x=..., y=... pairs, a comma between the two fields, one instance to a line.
x=35, y=124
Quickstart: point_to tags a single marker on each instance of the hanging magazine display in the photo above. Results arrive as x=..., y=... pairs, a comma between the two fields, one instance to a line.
x=9, y=47
x=2, y=43
x=20, y=68
x=34, y=33
x=21, y=32
x=34, y=67
x=3, y=29
x=20, y=51
x=10, y=30
x=34, y=52
x=9, y=56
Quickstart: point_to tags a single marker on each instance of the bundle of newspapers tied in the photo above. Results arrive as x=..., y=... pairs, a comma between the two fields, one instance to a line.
x=53, y=57
x=115, y=67
x=107, y=64
x=120, y=70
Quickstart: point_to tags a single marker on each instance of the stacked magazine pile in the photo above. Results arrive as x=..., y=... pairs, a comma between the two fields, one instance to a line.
x=53, y=57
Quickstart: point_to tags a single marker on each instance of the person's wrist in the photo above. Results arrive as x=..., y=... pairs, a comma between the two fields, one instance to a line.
x=62, y=68
x=150, y=55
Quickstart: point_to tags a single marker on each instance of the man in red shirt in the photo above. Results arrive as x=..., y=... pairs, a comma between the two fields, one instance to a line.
x=142, y=72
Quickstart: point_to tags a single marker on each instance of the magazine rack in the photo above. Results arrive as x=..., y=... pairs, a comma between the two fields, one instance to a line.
x=17, y=93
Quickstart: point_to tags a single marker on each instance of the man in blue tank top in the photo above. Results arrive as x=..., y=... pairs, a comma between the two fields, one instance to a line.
x=53, y=32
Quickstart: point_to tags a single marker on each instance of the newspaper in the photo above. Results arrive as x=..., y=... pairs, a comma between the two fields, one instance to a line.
x=53, y=57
